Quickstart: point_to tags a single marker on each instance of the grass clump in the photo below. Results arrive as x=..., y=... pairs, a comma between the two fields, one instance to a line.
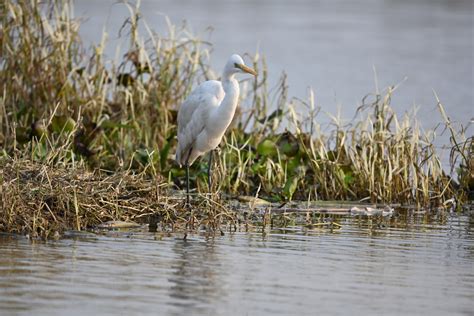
x=80, y=132
x=41, y=200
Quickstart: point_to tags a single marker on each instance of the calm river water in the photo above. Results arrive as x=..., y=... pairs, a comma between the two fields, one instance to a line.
x=414, y=266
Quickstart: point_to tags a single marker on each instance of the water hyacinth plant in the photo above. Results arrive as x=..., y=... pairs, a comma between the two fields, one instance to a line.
x=66, y=105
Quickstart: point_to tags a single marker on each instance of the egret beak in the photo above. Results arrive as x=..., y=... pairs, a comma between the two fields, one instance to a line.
x=246, y=69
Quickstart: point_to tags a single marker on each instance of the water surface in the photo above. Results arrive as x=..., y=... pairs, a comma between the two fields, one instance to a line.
x=417, y=266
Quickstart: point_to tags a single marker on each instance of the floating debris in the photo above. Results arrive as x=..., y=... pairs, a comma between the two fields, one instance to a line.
x=118, y=225
x=252, y=200
x=370, y=211
x=450, y=204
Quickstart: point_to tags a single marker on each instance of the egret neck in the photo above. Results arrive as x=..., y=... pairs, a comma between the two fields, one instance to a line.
x=224, y=113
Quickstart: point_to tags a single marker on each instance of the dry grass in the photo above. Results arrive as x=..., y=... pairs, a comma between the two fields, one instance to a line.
x=39, y=200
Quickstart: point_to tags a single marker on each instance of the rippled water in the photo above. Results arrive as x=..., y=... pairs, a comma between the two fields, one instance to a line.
x=416, y=266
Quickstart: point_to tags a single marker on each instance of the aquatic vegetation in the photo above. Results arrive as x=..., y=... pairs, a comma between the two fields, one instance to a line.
x=83, y=119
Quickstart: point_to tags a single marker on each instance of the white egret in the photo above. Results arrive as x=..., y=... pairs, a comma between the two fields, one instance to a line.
x=206, y=114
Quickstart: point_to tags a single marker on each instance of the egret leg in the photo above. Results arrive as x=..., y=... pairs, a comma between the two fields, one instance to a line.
x=187, y=184
x=188, y=205
x=187, y=177
x=209, y=167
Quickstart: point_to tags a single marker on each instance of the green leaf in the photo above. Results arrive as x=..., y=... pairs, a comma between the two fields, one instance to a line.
x=290, y=187
x=267, y=148
x=293, y=165
x=142, y=155
x=349, y=178
x=256, y=167
x=288, y=144
x=62, y=123
x=40, y=151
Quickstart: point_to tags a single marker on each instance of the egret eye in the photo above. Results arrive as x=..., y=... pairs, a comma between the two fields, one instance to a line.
x=236, y=65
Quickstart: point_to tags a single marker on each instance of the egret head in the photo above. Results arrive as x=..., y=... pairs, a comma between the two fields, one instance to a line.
x=236, y=65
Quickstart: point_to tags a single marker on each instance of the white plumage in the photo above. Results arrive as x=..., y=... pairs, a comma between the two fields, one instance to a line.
x=207, y=112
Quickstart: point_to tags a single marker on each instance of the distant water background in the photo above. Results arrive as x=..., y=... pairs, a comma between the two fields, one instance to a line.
x=332, y=46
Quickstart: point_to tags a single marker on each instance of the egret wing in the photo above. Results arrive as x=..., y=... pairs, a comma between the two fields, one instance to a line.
x=194, y=113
